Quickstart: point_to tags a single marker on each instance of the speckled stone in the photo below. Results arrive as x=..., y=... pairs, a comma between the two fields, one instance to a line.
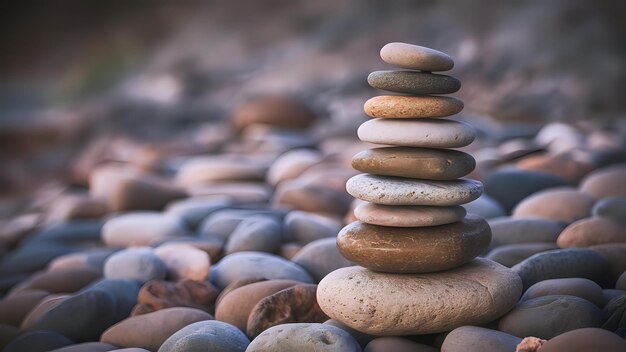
x=430, y=164
x=475, y=339
x=416, y=57
x=408, y=216
x=412, y=82
x=400, y=106
x=206, y=336
x=414, y=250
x=428, y=133
x=402, y=304
x=304, y=337
x=401, y=191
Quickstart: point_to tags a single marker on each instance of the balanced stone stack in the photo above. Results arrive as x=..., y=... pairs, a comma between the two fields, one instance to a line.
x=414, y=242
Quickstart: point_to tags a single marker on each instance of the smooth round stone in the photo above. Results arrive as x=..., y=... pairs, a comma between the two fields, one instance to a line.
x=257, y=233
x=200, y=170
x=320, y=257
x=511, y=254
x=184, y=261
x=87, y=347
x=412, y=82
x=123, y=188
x=562, y=263
x=84, y=316
x=193, y=210
x=242, y=265
x=239, y=192
x=221, y=224
x=397, y=344
x=296, y=194
x=137, y=263
x=88, y=259
x=509, y=186
x=408, y=216
x=277, y=110
x=583, y=288
x=485, y=207
x=362, y=338
x=605, y=182
x=562, y=204
x=476, y=293
x=14, y=309
x=303, y=227
x=206, y=336
x=613, y=208
x=592, y=231
x=235, y=307
x=304, y=337
x=37, y=341
x=292, y=164
x=478, y=339
x=425, y=133
x=548, y=316
x=400, y=191
x=584, y=340
x=507, y=231
x=60, y=281
x=157, y=294
x=415, y=57
x=400, y=106
x=565, y=165
x=150, y=330
x=414, y=250
x=141, y=229
x=296, y=304
x=430, y=164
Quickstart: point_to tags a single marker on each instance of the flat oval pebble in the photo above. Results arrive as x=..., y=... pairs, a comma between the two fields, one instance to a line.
x=562, y=263
x=235, y=306
x=257, y=233
x=150, y=330
x=401, y=191
x=511, y=254
x=206, y=336
x=399, y=106
x=137, y=263
x=476, y=293
x=320, y=257
x=412, y=82
x=430, y=164
x=141, y=229
x=562, y=204
x=414, y=250
x=275, y=110
x=292, y=164
x=242, y=265
x=303, y=227
x=508, y=230
x=478, y=339
x=415, y=57
x=585, y=340
x=592, y=231
x=426, y=133
x=296, y=304
x=184, y=261
x=605, y=182
x=408, y=216
x=575, y=286
x=304, y=337
x=159, y=294
x=548, y=316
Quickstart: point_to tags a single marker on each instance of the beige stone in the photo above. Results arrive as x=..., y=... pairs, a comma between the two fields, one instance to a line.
x=408, y=216
x=400, y=106
x=428, y=133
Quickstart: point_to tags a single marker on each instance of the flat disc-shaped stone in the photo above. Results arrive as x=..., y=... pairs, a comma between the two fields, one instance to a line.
x=423, y=163
x=413, y=82
x=428, y=133
x=416, y=57
x=411, y=304
x=405, y=191
x=414, y=249
x=408, y=215
x=398, y=106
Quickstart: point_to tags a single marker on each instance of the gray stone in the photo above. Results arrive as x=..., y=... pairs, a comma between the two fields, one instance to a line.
x=304, y=337
x=412, y=82
x=206, y=336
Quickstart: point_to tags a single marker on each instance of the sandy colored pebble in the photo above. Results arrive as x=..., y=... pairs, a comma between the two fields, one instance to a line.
x=396, y=106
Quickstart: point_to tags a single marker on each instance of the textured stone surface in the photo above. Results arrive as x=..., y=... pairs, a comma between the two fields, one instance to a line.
x=414, y=250
x=475, y=293
x=478, y=339
x=206, y=336
x=399, y=106
x=428, y=133
x=415, y=57
x=304, y=337
x=401, y=191
x=430, y=164
x=158, y=294
x=408, y=216
x=412, y=82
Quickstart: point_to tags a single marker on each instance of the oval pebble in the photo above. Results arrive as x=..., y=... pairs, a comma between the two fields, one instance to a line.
x=579, y=287
x=399, y=106
x=592, y=231
x=426, y=133
x=139, y=263
x=477, y=339
x=206, y=336
x=304, y=337
x=561, y=204
x=415, y=57
x=412, y=82
x=408, y=216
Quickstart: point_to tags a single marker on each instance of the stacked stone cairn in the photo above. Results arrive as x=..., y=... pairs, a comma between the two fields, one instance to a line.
x=413, y=241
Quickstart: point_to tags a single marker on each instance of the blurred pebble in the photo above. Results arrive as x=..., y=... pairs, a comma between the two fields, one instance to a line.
x=507, y=230
x=478, y=339
x=291, y=165
x=613, y=208
x=256, y=233
x=184, y=261
x=579, y=287
x=511, y=254
x=37, y=341
x=141, y=229
x=157, y=294
x=561, y=204
x=320, y=257
x=592, y=231
x=303, y=227
x=485, y=207
x=277, y=110
x=583, y=340
x=137, y=263
x=605, y=182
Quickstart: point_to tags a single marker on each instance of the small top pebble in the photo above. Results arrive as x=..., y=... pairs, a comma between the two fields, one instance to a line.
x=416, y=57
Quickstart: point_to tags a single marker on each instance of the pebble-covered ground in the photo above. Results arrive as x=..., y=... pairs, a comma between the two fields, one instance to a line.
x=170, y=251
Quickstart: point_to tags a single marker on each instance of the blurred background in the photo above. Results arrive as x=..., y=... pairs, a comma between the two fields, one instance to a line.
x=84, y=80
